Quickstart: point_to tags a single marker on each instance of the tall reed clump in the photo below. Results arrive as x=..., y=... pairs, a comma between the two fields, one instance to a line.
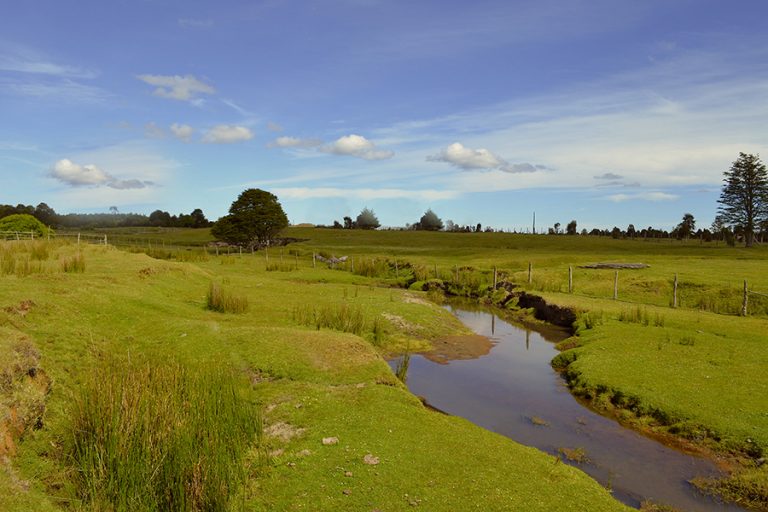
x=162, y=436
x=74, y=263
x=224, y=301
x=341, y=317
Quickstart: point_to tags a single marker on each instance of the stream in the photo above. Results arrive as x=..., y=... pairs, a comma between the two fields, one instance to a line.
x=506, y=384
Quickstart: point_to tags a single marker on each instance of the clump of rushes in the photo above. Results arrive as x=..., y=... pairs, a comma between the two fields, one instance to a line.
x=225, y=301
x=74, y=263
x=341, y=317
x=153, y=436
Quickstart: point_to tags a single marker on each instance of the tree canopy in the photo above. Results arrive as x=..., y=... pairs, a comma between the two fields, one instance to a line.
x=744, y=198
x=430, y=222
x=255, y=219
x=367, y=220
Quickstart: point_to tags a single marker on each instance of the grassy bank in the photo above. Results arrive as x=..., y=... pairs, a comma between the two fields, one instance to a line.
x=302, y=381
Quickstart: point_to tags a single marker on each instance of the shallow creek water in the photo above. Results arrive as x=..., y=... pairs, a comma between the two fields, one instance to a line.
x=503, y=389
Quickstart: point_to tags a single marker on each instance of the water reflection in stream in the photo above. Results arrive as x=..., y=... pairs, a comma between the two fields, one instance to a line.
x=513, y=388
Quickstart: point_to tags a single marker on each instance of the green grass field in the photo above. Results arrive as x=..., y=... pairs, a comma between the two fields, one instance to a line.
x=121, y=311
x=697, y=371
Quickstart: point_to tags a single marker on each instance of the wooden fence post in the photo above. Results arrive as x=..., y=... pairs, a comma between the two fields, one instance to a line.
x=674, y=293
x=78, y=239
x=570, y=279
x=435, y=270
x=397, y=270
x=266, y=255
x=744, y=303
x=616, y=286
x=314, y=262
x=530, y=273
x=495, y=278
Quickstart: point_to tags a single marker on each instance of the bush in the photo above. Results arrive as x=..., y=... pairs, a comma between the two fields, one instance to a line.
x=23, y=223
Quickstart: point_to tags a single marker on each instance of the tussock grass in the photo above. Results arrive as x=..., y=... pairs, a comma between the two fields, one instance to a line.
x=340, y=317
x=74, y=263
x=153, y=436
x=281, y=267
x=640, y=315
x=224, y=301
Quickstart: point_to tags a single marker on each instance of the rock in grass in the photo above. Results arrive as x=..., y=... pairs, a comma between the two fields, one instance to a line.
x=370, y=459
x=328, y=441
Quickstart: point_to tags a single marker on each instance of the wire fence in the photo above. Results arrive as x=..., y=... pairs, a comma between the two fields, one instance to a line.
x=592, y=284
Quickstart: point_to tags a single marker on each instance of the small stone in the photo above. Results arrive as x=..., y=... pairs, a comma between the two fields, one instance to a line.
x=304, y=453
x=370, y=460
x=328, y=441
x=291, y=464
x=346, y=492
x=347, y=473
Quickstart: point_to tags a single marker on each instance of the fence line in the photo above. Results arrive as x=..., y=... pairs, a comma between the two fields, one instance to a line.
x=159, y=248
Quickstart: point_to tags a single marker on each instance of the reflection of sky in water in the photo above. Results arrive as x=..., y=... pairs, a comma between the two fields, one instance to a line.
x=502, y=391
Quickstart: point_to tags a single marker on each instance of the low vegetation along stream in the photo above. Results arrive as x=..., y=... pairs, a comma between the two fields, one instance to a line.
x=503, y=381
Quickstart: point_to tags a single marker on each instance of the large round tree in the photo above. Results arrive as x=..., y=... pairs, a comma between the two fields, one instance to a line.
x=254, y=220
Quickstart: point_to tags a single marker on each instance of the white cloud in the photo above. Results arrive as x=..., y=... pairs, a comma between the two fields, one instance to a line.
x=182, y=132
x=471, y=159
x=364, y=193
x=152, y=131
x=645, y=196
x=357, y=146
x=183, y=88
x=294, y=142
x=227, y=134
x=73, y=174
x=76, y=175
x=466, y=158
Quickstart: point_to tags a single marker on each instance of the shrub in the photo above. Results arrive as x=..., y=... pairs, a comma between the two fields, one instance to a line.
x=23, y=223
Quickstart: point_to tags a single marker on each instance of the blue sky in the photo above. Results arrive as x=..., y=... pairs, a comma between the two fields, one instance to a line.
x=609, y=112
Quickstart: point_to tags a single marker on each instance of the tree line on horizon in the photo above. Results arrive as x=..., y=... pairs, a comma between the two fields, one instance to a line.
x=113, y=219
x=256, y=217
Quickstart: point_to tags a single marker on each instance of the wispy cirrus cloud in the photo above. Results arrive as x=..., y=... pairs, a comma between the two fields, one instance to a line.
x=21, y=59
x=59, y=90
x=644, y=196
x=294, y=142
x=195, y=23
x=364, y=193
x=609, y=176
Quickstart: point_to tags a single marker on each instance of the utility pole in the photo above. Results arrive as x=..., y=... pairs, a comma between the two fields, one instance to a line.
x=534, y=223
